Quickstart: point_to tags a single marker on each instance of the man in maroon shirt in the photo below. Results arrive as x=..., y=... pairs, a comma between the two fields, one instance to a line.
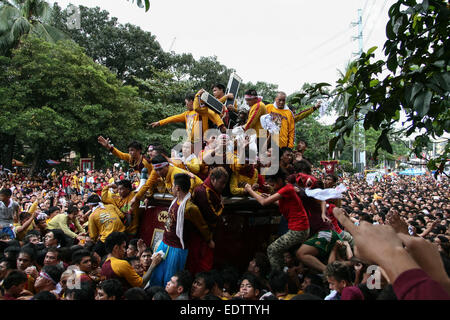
x=14, y=285
x=339, y=278
x=208, y=198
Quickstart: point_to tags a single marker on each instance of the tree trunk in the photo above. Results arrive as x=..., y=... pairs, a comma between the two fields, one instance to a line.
x=7, y=150
x=83, y=150
x=36, y=159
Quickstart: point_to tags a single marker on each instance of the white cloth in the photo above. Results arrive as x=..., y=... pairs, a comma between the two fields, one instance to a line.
x=240, y=135
x=186, y=160
x=268, y=124
x=325, y=194
x=180, y=216
x=285, y=106
x=159, y=253
x=100, y=205
x=332, y=296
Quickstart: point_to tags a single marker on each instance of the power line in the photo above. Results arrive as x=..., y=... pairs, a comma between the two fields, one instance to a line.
x=364, y=9
x=377, y=20
x=367, y=17
x=333, y=37
x=327, y=41
x=365, y=6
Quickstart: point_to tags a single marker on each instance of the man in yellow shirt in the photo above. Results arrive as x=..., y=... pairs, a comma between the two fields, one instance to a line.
x=196, y=122
x=75, y=183
x=219, y=93
x=25, y=223
x=257, y=109
x=189, y=159
x=306, y=112
x=246, y=173
x=102, y=222
x=121, y=199
x=115, y=267
x=283, y=116
x=134, y=157
x=61, y=221
x=165, y=171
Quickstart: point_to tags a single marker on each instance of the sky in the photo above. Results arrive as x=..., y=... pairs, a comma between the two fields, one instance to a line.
x=285, y=42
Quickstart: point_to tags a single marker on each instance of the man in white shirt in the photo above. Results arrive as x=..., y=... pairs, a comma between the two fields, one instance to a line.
x=9, y=212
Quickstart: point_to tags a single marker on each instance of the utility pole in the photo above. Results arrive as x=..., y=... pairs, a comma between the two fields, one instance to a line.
x=173, y=42
x=359, y=156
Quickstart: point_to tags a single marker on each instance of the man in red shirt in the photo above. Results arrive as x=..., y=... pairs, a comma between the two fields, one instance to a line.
x=291, y=207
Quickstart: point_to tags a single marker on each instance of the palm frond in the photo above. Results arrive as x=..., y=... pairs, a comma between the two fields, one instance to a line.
x=49, y=33
x=8, y=15
x=20, y=27
x=41, y=11
x=5, y=43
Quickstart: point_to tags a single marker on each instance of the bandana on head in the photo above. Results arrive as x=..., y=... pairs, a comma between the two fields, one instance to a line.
x=248, y=96
x=161, y=165
x=46, y=276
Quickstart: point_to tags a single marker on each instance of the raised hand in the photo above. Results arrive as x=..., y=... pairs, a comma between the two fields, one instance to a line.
x=427, y=257
x=104, y=142
x=395, y=221
x=378, y=244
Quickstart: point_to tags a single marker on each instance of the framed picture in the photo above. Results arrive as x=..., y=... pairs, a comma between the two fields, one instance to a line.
x=157, y=237
x=86, y=164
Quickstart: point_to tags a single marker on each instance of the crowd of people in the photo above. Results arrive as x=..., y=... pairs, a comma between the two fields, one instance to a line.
x=75, y=236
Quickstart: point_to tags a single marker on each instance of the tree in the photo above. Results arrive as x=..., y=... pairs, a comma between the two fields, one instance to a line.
x=316, y=134
x=22, y=17
x=203, y=73
x=56, y=98
x=267, y=90
x=18, y=19
x=417, y=83
x=400, y=149
x=161, y=97
x=127, y=50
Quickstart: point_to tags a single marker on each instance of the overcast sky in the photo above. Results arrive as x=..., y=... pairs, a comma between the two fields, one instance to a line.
x=285, y=42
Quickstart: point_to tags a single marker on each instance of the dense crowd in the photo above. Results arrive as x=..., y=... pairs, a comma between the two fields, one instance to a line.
x=75, y=235
x=41, y=257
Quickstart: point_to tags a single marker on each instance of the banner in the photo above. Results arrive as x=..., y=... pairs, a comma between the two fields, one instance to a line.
x=329, y=165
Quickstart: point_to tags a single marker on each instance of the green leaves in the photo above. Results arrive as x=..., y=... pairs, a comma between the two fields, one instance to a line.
x=55, y=90
x=417, y=83
x=422, y=103
x=23, y=18
x=141, y=3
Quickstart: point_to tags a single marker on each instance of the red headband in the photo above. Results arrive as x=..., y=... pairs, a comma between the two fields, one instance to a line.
x=157, y=166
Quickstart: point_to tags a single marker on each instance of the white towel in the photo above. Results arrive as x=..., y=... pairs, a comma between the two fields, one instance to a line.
x=325, y=194
x=285, y=106
x=180, y=216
